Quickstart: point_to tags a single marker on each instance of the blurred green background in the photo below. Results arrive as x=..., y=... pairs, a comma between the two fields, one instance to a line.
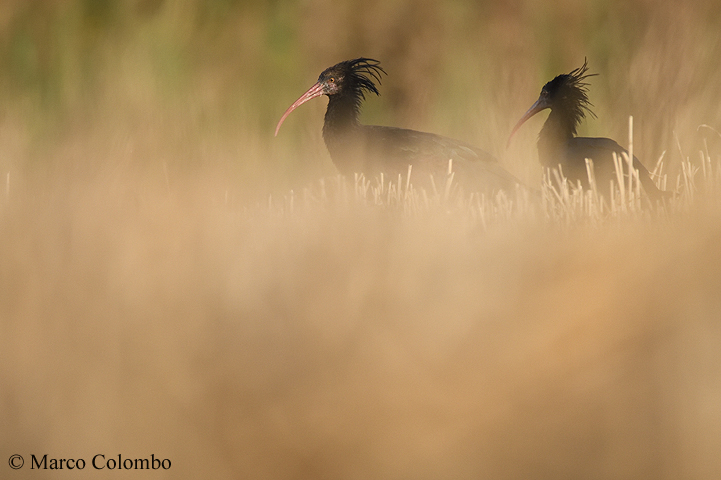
x=199, y=84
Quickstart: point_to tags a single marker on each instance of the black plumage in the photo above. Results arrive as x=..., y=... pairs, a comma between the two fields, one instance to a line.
x=372, y=149
x=567, y=98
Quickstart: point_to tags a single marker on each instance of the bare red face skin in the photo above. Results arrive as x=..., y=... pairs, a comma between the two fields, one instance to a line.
x=313, y=92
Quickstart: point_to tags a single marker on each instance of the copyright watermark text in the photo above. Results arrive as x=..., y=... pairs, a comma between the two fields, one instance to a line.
x=98, y=462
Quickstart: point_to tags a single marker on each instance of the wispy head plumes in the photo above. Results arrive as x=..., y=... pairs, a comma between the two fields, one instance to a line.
x=569, y=92
x=353, y=79
x=364, y=71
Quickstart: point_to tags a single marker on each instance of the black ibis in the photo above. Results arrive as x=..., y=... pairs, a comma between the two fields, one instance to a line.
x=567, y=98
x=372, y=149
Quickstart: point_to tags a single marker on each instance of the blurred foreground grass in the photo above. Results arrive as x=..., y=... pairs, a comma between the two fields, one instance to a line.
x=174, y=281
x=337, y=336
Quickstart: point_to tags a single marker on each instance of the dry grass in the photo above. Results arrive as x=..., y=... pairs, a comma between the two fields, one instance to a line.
x=173, y=282
x=351, y=332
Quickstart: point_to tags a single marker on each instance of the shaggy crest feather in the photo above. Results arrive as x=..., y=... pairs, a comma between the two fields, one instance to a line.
x=359, y=76
x=571, y=92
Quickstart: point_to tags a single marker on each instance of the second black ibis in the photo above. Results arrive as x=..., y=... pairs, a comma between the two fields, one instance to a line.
x=372, y=149
x=567, y=98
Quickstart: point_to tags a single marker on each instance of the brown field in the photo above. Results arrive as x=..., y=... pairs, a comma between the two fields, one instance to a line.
x=175, y=281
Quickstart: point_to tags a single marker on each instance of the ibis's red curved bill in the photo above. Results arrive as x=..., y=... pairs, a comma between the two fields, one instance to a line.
x=314, y=91
x=535, y=108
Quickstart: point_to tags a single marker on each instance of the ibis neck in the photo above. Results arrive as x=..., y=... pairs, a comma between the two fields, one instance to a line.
x=342, y=134
x=555, y=134
x=341, y=114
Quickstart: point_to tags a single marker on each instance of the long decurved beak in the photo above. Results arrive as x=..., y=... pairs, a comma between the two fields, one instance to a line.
x=541, y=104
x=314, y=91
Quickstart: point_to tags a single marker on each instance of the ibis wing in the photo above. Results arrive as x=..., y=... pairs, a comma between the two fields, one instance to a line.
x=601, y=151
x=430, y=153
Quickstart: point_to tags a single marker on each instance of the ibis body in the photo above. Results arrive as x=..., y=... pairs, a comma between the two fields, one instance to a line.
x=567, y=98
x=373, y=149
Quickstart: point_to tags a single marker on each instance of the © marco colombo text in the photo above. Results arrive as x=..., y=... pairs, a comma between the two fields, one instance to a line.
x=99, y=462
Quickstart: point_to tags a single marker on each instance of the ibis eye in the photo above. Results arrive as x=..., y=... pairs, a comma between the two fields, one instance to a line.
x=331, y=80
